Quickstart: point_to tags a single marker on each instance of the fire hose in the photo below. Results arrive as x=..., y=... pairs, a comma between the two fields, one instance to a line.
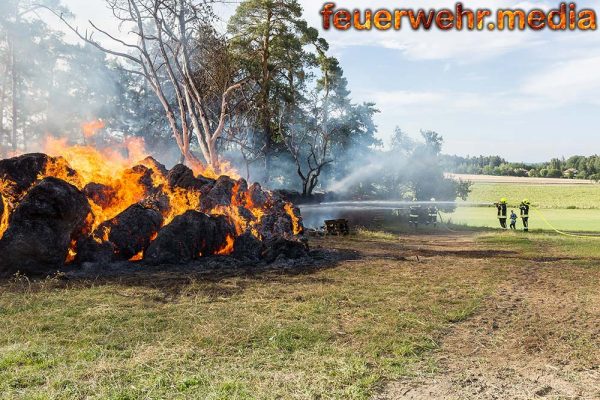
x=445, y=224
x=543, y=217
x=538, y=212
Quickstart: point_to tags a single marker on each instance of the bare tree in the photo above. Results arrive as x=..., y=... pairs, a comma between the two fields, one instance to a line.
x=309, y=146
x=242, y=136
x=168, y=37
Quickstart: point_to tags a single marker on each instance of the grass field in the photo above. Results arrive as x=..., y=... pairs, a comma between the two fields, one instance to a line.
x=565, y=205
x=544, y=196
x=562, y=219
x=338, y=333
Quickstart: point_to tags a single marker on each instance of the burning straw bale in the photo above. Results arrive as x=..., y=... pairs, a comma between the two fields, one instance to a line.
x=42, y=227
x=219, y=195
x=183, y=177
x=189, y=237
x=134, y=211
x=20, y=173
x=131, y=231
x=102, y=195
x=154, y=165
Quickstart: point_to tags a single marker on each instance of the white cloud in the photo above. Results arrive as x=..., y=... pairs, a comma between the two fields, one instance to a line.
x=575, y=81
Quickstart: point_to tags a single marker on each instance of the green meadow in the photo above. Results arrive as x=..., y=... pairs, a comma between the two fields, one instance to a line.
x=566, y=206
x=565, y=196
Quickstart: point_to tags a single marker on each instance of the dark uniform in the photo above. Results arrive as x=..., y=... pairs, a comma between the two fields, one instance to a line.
x=413, y=218
x=502, y=216
x=524, y=207
x=432, y=214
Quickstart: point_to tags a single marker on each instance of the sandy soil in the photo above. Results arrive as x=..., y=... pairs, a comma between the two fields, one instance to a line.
x=530, y=340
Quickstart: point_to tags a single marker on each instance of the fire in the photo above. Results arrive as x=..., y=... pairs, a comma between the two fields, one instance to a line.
x=5, y=212
x=138, y=257
x=72, y=253
x=208, y=171
x=119, y=176
x=112, y=169
x=227, y=248
x=90, y=129
x=296, y=226
x=107, y=167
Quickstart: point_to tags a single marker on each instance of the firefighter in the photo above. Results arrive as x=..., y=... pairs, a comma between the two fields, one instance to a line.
x=432, y=214
x=415, y=212
x=524, y=207
x=501, y=206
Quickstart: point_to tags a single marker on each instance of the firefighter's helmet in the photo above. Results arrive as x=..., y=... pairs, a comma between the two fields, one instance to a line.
x=526, y=202
x=503, y=200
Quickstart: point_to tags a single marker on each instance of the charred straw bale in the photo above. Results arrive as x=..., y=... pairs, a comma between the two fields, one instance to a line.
x=281, y=248
x=131, y=231
x=41, y=229
x=24, y=171
x=277, y=223
x=102, y=195
x=219, y=194
x=183, y=177
x=91, y=251
x=259, y=197
x=247, y=247
x=188, y=237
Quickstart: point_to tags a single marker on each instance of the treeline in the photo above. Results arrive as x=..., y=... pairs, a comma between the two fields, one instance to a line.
x=575, y=167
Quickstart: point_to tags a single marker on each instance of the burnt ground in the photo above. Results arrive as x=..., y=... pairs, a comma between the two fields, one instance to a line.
x=171, y=278
x=535, y=335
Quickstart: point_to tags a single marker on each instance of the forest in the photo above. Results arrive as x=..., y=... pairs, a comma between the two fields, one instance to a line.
x=574, y=167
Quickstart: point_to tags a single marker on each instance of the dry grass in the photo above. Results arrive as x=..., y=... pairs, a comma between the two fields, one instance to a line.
x=332, y=333
x=371, y=234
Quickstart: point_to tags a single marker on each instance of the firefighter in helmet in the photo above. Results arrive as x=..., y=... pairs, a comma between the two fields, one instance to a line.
x=432, y=213
x=524, y=207
x=414, y=215
x=502, y=216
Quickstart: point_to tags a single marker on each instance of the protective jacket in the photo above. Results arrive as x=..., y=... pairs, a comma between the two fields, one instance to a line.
x=501, y=210
x=524, y=210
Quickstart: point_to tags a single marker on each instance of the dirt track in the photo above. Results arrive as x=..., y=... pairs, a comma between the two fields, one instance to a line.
x=531, y=339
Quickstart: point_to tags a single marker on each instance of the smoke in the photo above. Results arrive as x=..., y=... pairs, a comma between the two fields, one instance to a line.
x=376, y=166
x=50, y=87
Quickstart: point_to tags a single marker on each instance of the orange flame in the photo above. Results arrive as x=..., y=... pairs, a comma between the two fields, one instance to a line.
x=90, y=129
x=227, y=247
x=72, y=253
x=5, y=212
x=296, y=226
x=208, y=171
x=138, y=257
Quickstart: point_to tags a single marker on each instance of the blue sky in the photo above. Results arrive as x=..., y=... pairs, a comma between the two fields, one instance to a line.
x=527, y=96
